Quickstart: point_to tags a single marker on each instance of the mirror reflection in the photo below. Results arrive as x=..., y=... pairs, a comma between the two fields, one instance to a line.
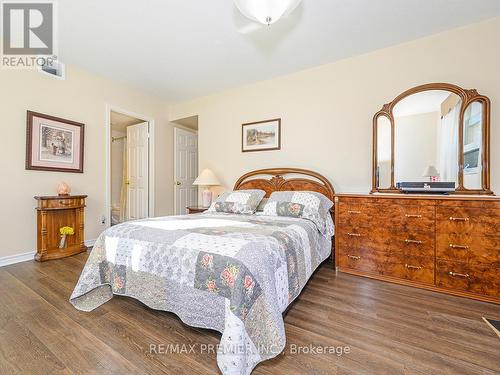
x=383, y=173
x=473, y=135
x=426, y=137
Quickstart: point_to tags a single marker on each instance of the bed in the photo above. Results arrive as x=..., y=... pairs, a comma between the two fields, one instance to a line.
x=236, y=274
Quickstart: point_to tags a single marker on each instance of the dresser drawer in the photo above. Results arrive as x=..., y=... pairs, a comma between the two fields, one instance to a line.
x=480, y=279
x=485, y=204
x=357, y=214
x=363, y=238
x=414, y=268
x=470, y=249
x=412, y=218
x=417, y=244
x=61, y=203
x=473, y=221
x=363, y=259
x=419, y=269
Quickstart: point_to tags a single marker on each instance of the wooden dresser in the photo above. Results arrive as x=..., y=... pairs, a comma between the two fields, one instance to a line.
x=53, y=213
x=449, y=244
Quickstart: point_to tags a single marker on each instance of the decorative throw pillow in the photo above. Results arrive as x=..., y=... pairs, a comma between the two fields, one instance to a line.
x=305, y=204
x=238, y=202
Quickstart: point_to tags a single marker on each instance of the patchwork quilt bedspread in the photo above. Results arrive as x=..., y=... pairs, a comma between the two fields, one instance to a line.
x=232, y=273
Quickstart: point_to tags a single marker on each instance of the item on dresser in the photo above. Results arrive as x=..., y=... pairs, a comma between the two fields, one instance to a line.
x=60, y=223
x=195, y=209
x=426, y=187
x=238, y=202
x=206, y=178
x=449, y=244
x=432, y=174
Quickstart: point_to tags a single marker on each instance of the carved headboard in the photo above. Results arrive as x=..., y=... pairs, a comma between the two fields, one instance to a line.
x=278, y=182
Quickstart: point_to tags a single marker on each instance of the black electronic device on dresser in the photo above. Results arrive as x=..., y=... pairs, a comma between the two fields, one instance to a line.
x=426, y=187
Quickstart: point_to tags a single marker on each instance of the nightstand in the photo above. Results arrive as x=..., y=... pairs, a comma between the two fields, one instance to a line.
x=53, y=213
x=196, y=209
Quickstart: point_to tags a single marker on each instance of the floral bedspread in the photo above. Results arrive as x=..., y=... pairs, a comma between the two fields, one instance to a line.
x=232, y=273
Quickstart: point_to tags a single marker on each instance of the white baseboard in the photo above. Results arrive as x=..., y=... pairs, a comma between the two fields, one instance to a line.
x=11, y=259
x=18, y=258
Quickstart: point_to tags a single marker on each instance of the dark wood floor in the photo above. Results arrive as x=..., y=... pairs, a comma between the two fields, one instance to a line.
x=390, y=329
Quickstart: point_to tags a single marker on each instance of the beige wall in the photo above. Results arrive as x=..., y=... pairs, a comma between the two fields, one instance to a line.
x=81, y=97
x=327, y=111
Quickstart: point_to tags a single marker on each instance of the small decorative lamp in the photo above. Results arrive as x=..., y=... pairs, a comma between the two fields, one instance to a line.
x=63, y=189
x=432, y=173
x=206, y=178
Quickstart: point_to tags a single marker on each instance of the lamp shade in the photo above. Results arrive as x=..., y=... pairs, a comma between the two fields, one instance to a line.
x=266, y=12
x=430, y=171
x=206, y=178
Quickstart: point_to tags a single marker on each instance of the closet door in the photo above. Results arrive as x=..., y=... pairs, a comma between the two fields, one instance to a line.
x=186, y=170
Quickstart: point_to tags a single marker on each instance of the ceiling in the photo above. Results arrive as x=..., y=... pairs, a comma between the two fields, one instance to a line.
x=182, y=49
x=189, y=122
x=120, y=121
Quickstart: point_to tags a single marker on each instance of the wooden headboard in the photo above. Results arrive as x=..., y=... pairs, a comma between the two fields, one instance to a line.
x=302, y=180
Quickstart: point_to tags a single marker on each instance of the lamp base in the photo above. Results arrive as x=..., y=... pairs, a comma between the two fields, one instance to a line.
x=206, y=198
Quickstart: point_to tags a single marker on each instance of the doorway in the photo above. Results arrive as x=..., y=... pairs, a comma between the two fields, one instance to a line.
x=185, y=164
x=129, y=167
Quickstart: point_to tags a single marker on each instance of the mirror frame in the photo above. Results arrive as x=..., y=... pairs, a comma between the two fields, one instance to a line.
x=468, y=96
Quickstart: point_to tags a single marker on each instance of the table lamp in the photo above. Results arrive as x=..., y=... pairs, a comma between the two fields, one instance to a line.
x=432, y=173
x=206, y=178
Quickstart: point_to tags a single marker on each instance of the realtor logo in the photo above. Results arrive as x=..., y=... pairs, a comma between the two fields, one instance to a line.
x=28, y=34
x=28, y=28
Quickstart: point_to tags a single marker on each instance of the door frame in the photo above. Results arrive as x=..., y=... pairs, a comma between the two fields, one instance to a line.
x=151, y=170
x=176, y=127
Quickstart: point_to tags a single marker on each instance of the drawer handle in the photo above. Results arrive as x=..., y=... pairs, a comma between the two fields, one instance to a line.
x=410, y=267
x=414, y=241
x=466, y=275
x=354, y=234
x=413, y=216
x=353, y=212
x=64, y=203
x=465, y=247
x=459, y=218
x=355, y=257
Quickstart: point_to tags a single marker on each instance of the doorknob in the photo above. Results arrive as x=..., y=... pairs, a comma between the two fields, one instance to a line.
x=177, y=183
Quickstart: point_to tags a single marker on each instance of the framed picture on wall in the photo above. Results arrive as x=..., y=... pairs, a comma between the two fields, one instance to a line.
x=53, y=144
x=261, y=135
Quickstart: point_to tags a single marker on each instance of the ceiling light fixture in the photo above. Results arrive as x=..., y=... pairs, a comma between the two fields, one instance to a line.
x=266, y=12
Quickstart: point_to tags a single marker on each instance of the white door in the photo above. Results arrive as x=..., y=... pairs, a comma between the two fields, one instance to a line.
x=186, y=169
x=137, y=171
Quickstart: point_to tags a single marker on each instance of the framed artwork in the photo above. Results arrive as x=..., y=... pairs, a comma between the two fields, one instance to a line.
x=261, y=136
x=53, y=144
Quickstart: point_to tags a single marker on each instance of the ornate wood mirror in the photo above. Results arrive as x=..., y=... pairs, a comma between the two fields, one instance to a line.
x=433, y=132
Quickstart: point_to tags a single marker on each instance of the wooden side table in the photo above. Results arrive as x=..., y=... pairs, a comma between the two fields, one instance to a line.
x=53, y=213
x=196, y=209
